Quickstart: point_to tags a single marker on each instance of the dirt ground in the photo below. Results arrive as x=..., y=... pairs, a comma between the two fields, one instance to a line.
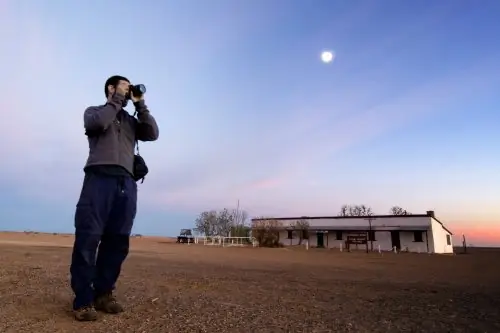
x=170, y=287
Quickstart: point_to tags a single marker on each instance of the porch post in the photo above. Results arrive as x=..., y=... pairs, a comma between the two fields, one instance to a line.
x=427, y=240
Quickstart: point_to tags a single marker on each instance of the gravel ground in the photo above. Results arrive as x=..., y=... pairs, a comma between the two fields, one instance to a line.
x=195, y=288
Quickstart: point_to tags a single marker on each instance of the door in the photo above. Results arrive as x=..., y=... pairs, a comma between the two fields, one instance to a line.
x=319, y=240
x=396, y=241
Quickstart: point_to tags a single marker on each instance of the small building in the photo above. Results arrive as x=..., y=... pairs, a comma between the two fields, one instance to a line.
x=412, y=233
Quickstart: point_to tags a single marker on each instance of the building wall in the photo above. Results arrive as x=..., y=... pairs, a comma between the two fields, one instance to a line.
x=290, y=242
x=382, y=239
x=362, y=222
x=408, y=242
x=439, y=238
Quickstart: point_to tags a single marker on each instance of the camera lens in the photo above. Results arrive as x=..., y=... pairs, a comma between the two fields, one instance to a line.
x=141, y=88
x=137, y=90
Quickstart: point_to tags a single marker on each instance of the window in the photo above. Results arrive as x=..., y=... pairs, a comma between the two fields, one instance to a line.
x=448, y=239
x=371, y=236
x=418, y=236
x=338, y=235
x=290, y=234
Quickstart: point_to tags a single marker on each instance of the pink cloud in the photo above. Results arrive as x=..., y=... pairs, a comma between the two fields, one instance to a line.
x=266, y=183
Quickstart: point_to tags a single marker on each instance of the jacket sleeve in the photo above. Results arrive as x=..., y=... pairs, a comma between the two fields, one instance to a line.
x=147, y=128
x=98, y=118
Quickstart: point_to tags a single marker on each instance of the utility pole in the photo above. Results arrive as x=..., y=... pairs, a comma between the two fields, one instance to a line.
x=238, y=211
x=370, y=219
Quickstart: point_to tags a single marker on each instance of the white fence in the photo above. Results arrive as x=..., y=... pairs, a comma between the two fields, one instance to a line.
x=226, y=241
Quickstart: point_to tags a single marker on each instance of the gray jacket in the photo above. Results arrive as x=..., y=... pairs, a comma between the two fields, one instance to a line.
x=115, y=131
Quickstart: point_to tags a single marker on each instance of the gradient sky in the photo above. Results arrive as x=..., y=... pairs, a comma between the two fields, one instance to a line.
x=407, y=114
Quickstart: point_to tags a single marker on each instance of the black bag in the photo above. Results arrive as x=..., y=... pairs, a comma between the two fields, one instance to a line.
x=140, y=167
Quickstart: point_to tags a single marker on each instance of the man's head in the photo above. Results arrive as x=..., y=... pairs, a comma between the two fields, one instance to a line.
x=118, y=84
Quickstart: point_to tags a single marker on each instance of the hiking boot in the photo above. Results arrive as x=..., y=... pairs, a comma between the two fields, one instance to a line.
x=85, y=313
x=107, y=303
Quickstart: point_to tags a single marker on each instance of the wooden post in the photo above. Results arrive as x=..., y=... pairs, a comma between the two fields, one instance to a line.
x=464, y=243
x=427, y=240
x=370, y=219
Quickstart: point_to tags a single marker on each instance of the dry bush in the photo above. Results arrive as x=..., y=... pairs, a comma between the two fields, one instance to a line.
x=302, y=228
x=267, y=232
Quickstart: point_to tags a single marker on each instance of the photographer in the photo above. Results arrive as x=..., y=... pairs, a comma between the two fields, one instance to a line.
x=108, y=201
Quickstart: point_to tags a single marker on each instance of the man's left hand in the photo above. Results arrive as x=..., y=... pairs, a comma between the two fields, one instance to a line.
x=136, y=99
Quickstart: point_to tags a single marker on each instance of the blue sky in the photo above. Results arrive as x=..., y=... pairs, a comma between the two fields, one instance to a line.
x=406, y=114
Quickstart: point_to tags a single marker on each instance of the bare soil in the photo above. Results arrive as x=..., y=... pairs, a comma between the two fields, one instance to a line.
x=170, y=287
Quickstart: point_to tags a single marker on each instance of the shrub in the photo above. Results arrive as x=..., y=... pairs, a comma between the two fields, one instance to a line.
x=267, y=232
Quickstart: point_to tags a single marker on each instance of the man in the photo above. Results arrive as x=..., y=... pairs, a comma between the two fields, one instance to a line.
x=107, y=206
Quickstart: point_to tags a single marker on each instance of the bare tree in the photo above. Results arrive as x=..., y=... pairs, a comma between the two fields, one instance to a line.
x=302, y=228
x=396, y=210
x=240, y=226
x=344, y=210
x=241, y=230
x=225, y=222
x=240, y=216
x=206, y=223
x=355, y=210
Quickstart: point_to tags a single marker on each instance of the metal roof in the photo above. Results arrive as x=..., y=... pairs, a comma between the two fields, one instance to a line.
x=366, y=228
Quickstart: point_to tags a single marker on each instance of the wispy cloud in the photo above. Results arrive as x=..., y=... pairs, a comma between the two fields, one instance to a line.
x=293, y=151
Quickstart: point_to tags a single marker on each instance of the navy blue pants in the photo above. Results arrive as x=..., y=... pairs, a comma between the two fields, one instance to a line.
x=103, y=221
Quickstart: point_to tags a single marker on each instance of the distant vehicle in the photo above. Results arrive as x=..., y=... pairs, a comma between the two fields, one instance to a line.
x=185, y=236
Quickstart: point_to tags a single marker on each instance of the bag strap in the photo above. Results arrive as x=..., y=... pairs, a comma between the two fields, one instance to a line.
x=137, y=149
x=137, y=141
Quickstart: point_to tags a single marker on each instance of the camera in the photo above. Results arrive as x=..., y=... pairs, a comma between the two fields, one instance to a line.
x=137, y=90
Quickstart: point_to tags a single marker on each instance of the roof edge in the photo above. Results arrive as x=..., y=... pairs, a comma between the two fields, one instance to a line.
x=340, y=217
x=442, y=225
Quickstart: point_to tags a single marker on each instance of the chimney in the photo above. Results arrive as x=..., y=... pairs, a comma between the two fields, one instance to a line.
x=431, y=213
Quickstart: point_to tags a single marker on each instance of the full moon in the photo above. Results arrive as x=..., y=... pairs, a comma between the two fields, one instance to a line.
x=327, y=56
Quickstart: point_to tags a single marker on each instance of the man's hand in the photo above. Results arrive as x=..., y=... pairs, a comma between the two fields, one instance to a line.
x=136, y=99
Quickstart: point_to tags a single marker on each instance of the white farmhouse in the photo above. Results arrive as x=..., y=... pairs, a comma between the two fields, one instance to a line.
x=413, y=233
